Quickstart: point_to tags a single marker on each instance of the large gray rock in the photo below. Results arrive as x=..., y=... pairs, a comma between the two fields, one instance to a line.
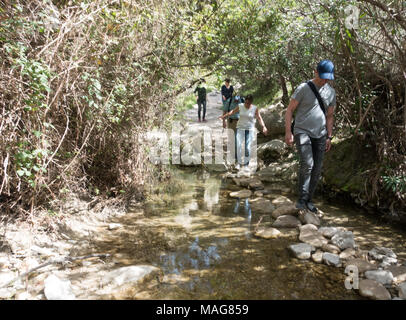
x=361, y=264
x=312, y=237
x=272, y=173
x=287, y=209
x=6, y=277
x=398, y=272
x=328, y=232
x=261, y=205
x=241, y=194
x=331, y=259
x=382, y=276
x=402, y=290
x=373, y=290
x=301, y=250
x=57, y=289
x=256, y=184
x=384, y=255
x=274, y=119
x=268, y=233
x=272, y=150
x=131, y=274
x=286, y=221
x=311, y=218
x=331, y=248
x=343, y=240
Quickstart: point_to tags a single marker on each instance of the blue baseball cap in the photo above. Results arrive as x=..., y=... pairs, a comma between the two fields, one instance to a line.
x=325, y=68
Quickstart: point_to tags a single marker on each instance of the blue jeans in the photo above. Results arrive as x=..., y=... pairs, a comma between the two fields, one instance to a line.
x=311, y=154
x=246, y=137
x=200, y=104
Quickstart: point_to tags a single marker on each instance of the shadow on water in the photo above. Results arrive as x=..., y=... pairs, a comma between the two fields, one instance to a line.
x=203, y=242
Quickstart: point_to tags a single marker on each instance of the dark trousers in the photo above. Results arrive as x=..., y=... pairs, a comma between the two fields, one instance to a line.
x=311, y=153
x=200, y=104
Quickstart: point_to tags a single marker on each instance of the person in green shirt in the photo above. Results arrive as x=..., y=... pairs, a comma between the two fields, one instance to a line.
x=201, y=99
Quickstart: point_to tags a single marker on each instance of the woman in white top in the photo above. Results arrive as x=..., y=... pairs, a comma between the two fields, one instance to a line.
x=246, y=127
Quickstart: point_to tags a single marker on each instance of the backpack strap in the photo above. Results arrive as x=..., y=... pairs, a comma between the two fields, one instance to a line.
x=317, y=94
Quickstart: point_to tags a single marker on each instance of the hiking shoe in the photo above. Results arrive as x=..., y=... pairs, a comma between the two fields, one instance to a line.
x=301, y=204
x=204, y=120
x=199, y=120
x=310, y=206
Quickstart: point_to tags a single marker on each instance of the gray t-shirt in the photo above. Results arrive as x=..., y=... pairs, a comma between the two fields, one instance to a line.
x=309, y=118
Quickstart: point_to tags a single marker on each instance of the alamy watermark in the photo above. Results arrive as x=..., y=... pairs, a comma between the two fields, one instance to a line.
x=197, y=145
x=351, y=17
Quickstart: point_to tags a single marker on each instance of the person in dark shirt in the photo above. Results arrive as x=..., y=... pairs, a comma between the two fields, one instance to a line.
x=201, y=99
x=226, y=92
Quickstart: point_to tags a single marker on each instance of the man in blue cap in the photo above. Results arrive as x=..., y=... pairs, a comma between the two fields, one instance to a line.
x=312, y=130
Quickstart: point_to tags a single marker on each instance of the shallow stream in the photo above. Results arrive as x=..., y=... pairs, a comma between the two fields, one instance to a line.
x=203, y=241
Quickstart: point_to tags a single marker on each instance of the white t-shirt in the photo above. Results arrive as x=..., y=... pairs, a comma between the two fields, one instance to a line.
x=247, y=117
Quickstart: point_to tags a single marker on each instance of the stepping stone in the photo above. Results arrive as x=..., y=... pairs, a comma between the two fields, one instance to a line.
x=384, y=277
x=373, y=290
x=398, y=272
x=317, y=256
x=331, y=259
x=256, y=185
x=328, y=232
x=287, y=209
x=286, y=221
x=312, y=237
x=343, y=240
x=245, y=193
x=331, y=248
x=301, y=250
x=261, y=205
x=310, y=218
x=268, y=233
x=308, y=227
x=402, y=290
x=347, y=254
x=361, y=264
x=385, y=255
x=258, y=194
x=282, y=200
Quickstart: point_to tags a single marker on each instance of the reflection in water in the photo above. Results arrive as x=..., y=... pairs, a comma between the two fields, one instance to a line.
x=248, y=214
x=194, y=257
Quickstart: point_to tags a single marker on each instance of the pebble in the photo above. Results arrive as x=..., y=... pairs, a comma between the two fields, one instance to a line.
x=114, y=226
x=317, y=256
